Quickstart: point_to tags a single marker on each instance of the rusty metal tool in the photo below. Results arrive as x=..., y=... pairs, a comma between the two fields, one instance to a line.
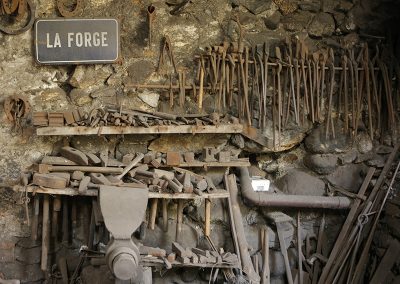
x=150, y=18
x=346, y=100
x=254, y=92
x=232, y=64
x=74, y=155
x=182, y=83
x=311, y=89
x=323, y=60
x=375, y=94
x=290, y=60
x=221, y=92
x=274, y=71
x=352, y=87
x=360, y=93
x=297, y=76
x=279, y=103
x=265, y=89
x=262, y=97
x=356, y=90
x=246, y=77
x=368, y=90
x=43, y=168
x=316, y=83
x=201, y=84
x=65, y=12
x=228, y=83
x=303, y=55
x=83, y=185
x=245, y=99
x=171, y=93
x=18, y=8
x=134, y=162
x=167, y=50
x=286, y=98
x=329, y=112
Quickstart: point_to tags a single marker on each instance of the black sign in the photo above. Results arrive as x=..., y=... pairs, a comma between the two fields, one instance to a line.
x=72, y=41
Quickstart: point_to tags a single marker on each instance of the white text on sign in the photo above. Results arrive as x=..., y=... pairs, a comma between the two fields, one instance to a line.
x=84, y=39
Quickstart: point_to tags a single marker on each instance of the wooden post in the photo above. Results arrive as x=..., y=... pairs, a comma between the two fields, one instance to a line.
x=207, y=214
x=153, y=213
x=45, y=233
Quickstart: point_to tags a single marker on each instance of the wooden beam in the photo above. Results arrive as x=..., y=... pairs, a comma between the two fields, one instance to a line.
x=236, y=163
x=163, y=129
x=219, y=193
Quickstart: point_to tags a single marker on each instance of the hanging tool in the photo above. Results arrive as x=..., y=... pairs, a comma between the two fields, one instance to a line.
x=166, y=51
x=150, y=19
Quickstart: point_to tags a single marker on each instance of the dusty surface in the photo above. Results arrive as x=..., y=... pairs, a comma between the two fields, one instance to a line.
x=201, y=24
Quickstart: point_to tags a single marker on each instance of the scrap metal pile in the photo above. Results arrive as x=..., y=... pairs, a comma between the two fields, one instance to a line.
x=113, y=117
x=187, y=255
x=82, y=171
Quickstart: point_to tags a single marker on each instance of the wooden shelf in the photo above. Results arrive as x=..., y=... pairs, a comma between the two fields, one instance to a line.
x=219, y=193
x=235, y=163
x=164, y=129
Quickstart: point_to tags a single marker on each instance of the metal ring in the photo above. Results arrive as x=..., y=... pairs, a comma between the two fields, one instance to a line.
x=362, y=219
x=67, y=13
x=10, y=6
x=10, y=102
x=29, y=24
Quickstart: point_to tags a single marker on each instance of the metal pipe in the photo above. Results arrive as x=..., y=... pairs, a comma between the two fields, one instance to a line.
x=281, y=200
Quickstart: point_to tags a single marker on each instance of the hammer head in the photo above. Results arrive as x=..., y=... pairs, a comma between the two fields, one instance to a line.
x=41, y=168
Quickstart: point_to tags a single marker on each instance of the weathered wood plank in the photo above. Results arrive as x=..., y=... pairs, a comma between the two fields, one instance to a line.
x=219, y=193
x=164, y=129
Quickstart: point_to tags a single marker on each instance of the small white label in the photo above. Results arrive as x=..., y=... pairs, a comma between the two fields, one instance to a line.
x=260, y=184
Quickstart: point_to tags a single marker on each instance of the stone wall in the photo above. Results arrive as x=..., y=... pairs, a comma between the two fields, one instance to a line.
x=200, y=24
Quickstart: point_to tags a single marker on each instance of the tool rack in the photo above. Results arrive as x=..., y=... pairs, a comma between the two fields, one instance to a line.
x=155, y=196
